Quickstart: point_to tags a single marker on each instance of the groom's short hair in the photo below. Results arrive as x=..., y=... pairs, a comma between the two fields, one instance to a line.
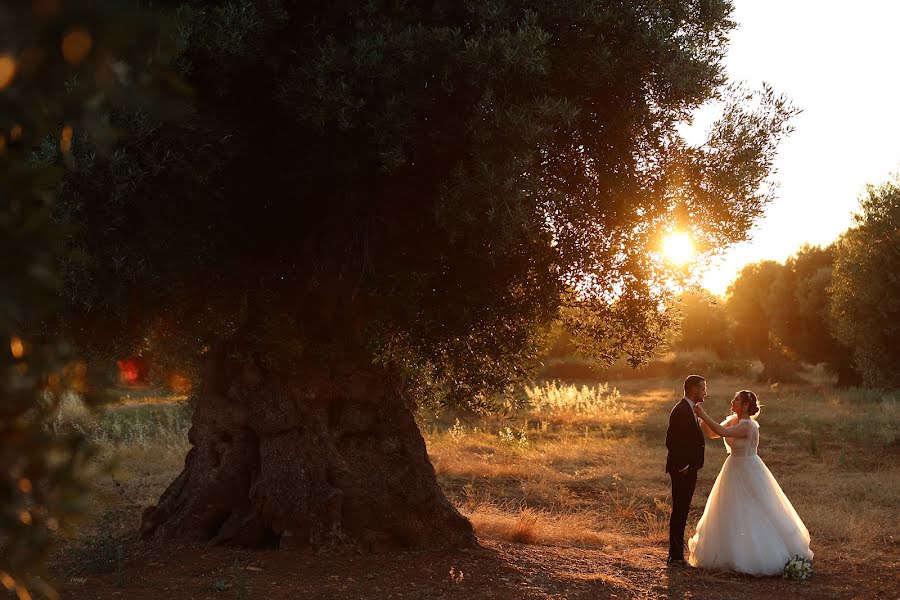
x=692, y=382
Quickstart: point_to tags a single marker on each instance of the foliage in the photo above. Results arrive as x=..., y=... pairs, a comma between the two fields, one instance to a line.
x=866, y=287
x=798, y=308
x=747, y=303
x=749, y=308
x=61, y=65
x=836, y=305
x=428, y=185
x=704, y=323
x=781, y=312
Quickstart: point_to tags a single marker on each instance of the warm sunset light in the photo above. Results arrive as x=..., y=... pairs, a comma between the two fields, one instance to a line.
x=678, y=247
x=557, y=295
x=179, y=382
x=17, y=347
x=76, y=46
x=65, y=139
x=7, y=70
x=133, y=370
x=810, y=208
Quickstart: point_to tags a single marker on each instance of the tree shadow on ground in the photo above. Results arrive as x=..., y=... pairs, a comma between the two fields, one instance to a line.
x=493, y=570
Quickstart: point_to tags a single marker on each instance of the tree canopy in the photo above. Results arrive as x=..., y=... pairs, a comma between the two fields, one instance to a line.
x=425, y=183
x=704, y=323
x=799, y=312
x=781, y=312
x=749, y=307
x=866, y=287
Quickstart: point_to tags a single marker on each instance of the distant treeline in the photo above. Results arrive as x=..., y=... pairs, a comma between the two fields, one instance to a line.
x=838, y=306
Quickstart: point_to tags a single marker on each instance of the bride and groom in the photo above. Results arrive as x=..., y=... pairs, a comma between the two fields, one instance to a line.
x=748, y=525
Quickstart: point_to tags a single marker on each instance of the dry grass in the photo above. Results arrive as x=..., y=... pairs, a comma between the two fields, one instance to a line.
x=573, y=404
x=584, y=466
x=156, y=423
x=143, y=442
x=534, y=526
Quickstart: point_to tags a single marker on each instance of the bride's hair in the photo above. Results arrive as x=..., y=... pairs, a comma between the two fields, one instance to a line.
x=749, y=397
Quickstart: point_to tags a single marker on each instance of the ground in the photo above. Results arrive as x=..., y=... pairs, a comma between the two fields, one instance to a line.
x=568, y=498
x=497, y=570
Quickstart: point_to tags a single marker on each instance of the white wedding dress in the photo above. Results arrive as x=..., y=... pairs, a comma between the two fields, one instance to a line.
x=748, y=525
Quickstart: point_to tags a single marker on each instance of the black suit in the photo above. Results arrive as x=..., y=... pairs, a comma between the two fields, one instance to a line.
x=686, y=444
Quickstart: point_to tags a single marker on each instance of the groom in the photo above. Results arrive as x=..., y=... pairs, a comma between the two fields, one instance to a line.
x=684, y=439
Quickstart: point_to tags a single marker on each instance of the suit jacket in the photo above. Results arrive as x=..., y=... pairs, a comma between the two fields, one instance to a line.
x=684, y=439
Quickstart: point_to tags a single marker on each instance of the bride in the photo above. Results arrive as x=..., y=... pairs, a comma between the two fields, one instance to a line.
x=748, y=525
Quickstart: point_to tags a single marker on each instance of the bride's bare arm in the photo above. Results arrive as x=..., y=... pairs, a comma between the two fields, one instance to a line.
x=712, y=434
x=738, y=430
x=707, y=431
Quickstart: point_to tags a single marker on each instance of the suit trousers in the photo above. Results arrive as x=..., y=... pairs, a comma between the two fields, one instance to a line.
x=682, y=491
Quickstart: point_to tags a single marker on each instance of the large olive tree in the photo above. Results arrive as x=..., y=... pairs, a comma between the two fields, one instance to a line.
x=375, y=202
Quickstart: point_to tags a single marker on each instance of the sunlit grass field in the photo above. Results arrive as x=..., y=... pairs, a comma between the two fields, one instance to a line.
x=577, y=465
x=579, y=471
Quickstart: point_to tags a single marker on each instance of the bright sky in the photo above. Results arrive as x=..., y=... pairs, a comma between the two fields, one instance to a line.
x=839, y=63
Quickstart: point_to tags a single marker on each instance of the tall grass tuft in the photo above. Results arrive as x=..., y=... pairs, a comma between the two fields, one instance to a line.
x=554, y=400
x=139, y=426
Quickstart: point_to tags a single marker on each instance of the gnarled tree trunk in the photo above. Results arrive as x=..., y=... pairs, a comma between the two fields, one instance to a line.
x=326, y=457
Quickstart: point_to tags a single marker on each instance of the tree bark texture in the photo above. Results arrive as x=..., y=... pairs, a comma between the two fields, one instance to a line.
x=326, y=457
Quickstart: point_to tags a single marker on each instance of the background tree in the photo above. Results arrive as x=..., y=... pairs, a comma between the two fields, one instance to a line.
x=61, y=66
x=749, y=307
x=378, y=201
x=704, y=324
x=798, y=309
x=866, y=286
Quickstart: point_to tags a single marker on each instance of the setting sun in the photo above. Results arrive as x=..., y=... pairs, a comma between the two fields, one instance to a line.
x=678, y=247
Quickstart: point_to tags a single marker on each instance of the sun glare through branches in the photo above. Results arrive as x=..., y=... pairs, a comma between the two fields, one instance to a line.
x=678, y=248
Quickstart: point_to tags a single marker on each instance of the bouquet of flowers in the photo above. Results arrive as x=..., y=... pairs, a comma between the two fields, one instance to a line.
x=798, y=567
